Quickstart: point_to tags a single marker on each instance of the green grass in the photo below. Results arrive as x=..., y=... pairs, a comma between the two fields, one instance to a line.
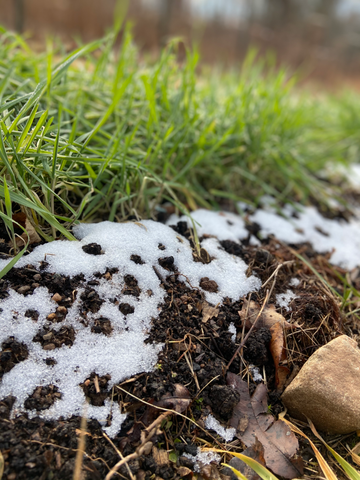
x=104, y=133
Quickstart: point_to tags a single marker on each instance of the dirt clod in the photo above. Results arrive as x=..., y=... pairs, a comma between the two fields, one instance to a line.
x=42, y=398
x=208, y=285
x=223, y=399
x=12, y=352
x=126, y=308
x=92, y=249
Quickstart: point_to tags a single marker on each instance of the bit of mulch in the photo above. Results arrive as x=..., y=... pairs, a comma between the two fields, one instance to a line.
x=190, y=376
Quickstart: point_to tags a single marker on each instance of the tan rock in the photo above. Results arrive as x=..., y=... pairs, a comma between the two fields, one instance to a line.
x=327, y=388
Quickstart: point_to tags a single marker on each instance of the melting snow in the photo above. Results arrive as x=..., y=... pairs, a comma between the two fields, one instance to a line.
x=202, y=458
x=255, y=372
x=283, y=299
x=226, y=433
x=123, y=353
x=223, y=225
x=232, y=329
x=307, y=225
x=294, y=282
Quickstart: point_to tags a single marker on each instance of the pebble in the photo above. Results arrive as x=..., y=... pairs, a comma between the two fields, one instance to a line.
x=23, y=289
x=56, y=297
x=49, y=346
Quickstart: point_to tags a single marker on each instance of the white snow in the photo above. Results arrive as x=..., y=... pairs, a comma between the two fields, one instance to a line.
x=202, y=458
x=294, y=282
x=232, y=329
x=255, y=373
x=283, y=299
x=227, y=434
x=123, y=353
x=325, y=235
x=223, y=225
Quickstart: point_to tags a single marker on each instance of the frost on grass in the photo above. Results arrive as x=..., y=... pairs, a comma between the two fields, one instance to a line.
x=284, y=299
x=306, y=224
x=132, y=249
x=227, y=434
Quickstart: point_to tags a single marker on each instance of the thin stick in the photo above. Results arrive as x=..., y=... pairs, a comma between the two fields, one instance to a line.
x=81, y=448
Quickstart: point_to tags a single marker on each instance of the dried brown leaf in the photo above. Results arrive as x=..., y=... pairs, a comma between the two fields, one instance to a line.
x=250, y=311
x=280, y=445
x=278, y=353
x=31, y=235
x=256, y=452
x=208, y=312
x=179, y=401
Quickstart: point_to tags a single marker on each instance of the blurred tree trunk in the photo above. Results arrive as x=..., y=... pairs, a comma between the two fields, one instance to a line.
x=19, y=15
x=169, y=10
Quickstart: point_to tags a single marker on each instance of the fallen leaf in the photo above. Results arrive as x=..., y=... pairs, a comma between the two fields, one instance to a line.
x=208, y=312
x=184, y=471
x=31, y=234
x=256, y=452
x=278, y=353
x=250, y=311
x=280, y=445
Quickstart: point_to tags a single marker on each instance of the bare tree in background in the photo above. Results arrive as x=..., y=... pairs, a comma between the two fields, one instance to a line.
x=19, y=15
x=170, y=10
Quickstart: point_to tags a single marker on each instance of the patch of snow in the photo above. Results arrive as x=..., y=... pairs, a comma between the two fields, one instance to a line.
x=256, y=375
x=227, y=434
x=283, y=299
x=202, y=458
x=294, y=282
x=223, y=225
x=325, y=235
x=232, y=329
x=123, y=353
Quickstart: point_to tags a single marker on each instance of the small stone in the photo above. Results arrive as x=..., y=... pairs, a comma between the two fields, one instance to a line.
x=35, y=285
x=51, y=317
x=49, y=346
x=47, y=336
x=57, y=297
x=37, y=277
x=23, y=289
x=327, y=388
x=62, y=310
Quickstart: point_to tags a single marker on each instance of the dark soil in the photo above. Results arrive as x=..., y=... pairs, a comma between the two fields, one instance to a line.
x=196, y=355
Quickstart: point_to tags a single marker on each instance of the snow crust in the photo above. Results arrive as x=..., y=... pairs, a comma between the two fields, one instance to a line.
x=227, y=434
x=123, y=353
